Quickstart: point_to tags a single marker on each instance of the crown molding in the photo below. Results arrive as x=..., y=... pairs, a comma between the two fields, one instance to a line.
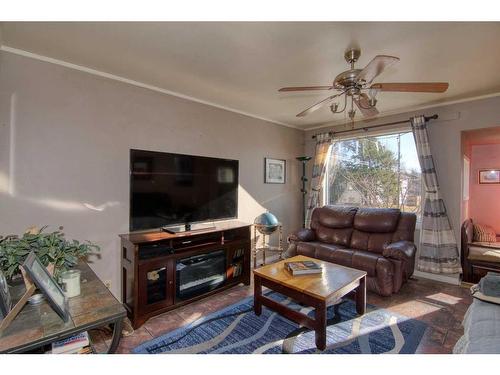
x=132, y=82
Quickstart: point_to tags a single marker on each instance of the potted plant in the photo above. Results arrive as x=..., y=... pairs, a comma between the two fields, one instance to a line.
x=50, y=247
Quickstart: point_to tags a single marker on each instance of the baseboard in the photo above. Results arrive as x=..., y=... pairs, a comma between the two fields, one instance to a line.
x=453, y=279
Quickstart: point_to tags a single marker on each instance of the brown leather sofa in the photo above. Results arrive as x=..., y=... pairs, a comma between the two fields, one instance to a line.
x=376, y=240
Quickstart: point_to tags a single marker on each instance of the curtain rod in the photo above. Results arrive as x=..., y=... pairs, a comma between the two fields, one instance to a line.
x=427, y=118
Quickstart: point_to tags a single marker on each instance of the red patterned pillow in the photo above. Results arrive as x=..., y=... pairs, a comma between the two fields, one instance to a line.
x=484, y=233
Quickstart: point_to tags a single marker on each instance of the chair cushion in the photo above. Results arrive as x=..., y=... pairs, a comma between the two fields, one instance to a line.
x=484, y=233
x=484, y=251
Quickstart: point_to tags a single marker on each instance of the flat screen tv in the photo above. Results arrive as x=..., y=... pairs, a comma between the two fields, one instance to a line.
x=169, y=189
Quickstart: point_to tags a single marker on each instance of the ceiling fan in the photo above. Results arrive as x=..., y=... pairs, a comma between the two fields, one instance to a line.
x=354, y=82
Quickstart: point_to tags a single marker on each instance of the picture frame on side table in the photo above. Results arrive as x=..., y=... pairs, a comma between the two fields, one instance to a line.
x=274, y=171
x=47, y=284
x=489, y=176
x=5, y=298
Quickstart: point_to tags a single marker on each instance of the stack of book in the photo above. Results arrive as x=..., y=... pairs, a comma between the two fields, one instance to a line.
x=77, y=344
x=306, y=267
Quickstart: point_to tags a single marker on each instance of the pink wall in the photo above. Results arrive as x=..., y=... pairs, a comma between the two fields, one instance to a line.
x=484, y=202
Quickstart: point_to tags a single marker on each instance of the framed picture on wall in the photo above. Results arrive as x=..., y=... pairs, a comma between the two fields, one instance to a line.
x=275, y=171
x=489, y=176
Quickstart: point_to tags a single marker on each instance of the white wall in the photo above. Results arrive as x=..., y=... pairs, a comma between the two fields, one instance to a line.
x=445, y=139
x=65, y=137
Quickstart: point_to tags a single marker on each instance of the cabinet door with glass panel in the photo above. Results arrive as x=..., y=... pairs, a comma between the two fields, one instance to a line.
x=156, y=284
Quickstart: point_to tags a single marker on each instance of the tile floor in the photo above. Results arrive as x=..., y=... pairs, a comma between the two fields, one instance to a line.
x=442, y=306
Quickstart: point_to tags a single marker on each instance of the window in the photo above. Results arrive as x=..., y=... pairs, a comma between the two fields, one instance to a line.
x=379, y=171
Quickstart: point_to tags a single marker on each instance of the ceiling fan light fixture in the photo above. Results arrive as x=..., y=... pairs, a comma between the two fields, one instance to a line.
x=353, y=82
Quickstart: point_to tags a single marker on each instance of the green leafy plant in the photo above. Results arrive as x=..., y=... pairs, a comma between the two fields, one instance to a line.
x=50, y=247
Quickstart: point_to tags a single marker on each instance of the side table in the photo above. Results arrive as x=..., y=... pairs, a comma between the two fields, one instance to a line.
x=39, y=325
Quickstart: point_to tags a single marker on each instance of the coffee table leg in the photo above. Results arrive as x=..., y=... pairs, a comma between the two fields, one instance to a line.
x=320, y=321
x=361, y=296
x=257, y=293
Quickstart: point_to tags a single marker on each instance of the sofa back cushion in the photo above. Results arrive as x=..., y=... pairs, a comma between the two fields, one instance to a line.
x=334, y=236
x=333, y=217
x=333, y=224
x=376, y=220
x=374, y=228
x=405, y=231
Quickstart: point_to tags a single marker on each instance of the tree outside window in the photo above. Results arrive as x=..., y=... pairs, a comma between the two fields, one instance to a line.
x=380, y=171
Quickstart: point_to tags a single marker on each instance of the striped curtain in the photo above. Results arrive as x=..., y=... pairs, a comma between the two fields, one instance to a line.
x=438, y=246
x=323, y=142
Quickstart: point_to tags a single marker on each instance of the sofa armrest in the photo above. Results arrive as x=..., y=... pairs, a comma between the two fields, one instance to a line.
x=402, y=250
x=304, y=235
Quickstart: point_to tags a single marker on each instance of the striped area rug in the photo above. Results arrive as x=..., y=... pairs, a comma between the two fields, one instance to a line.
x=236, y=329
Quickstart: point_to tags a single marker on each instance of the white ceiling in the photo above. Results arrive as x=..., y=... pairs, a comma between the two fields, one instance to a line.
x=241, y=65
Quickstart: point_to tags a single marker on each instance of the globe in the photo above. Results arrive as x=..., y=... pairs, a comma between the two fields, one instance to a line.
x=266, y=223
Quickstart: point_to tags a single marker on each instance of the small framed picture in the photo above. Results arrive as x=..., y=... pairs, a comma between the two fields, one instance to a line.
x=275, y=171
x=46, y=283
x=5, y=299
x=489, y=176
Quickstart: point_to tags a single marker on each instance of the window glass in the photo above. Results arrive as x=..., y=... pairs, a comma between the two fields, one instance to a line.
x=381, y=171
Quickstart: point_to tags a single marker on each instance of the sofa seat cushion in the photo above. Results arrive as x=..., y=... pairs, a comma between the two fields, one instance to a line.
x=335, y=254
x=371, y=263
x=372, y=242
x=327, y=252
x=484, y=251
x=317, y=249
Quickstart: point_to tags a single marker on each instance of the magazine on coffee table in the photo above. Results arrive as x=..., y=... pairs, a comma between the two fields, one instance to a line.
x=303, y=268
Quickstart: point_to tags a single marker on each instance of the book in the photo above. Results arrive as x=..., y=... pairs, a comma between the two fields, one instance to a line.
x=306, y=267
x=71, y=344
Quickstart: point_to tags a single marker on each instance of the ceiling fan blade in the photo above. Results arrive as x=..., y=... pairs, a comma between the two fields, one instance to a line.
x=375, y=67
x=305, y=88
x=364, y=106
x=318, y=105
x=412, y=86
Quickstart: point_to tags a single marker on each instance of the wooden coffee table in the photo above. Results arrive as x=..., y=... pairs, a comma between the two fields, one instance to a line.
x=318, y=291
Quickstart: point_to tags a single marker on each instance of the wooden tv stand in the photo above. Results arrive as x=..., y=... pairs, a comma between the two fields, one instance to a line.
x=150, y=264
